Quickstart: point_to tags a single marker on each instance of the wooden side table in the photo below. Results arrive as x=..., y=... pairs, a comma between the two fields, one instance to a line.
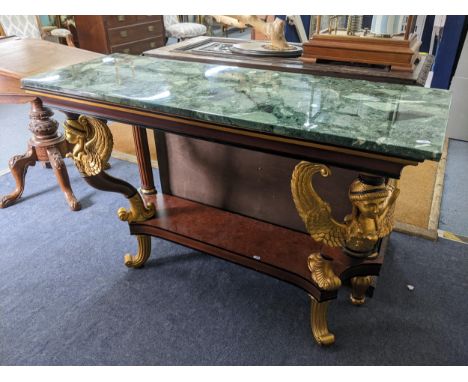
x=22, y=58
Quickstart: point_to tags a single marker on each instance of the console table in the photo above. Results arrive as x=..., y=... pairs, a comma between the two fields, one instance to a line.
x=371, y=128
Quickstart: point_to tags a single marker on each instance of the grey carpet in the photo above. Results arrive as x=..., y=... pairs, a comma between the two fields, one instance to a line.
x=14, y=133
x=454, y=207
x=67, y=299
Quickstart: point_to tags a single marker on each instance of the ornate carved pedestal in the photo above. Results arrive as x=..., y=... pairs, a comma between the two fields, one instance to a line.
x=46, y=146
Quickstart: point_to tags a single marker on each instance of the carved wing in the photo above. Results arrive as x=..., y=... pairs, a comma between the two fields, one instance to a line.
x=387, y=222
x=313, y=210
x=99, y=146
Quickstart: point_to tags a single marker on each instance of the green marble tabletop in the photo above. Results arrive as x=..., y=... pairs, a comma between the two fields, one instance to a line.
x=396, y=120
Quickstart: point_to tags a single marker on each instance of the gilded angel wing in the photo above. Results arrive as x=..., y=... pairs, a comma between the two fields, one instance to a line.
x=387, y=222
x=99, y=146
x=313, y=210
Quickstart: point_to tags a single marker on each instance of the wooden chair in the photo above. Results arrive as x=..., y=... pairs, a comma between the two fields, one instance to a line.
x=181, y=31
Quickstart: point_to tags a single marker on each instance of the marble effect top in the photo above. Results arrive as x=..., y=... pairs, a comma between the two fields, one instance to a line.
x=390, y=119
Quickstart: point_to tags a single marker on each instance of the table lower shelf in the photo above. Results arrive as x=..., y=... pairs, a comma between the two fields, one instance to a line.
x=268, y=248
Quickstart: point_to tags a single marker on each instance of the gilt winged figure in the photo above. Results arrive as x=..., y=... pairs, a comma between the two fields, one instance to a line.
x=371, y=217
x=93, y=144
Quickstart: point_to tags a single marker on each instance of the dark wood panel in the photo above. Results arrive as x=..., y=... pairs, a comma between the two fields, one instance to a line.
x=109, y=34
x=149, y=18
x=92, y=33
x=134, y=32
x=119, y=21
x=135, y=47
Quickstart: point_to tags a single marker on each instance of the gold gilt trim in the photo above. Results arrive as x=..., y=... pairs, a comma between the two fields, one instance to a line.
x=93, y=142
x=138, y=211
x=371, y=218
x=143, y=253
x=318, y=322
x=230, y=130
x=359, y=286
x=322, y=272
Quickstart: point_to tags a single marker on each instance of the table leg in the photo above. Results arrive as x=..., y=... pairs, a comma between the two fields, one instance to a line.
x=371, y=219
x=93, y=142
x=46, y=146
x=359, y=287
x=318, y=322
x=61, y=173
x=144, y=160
x=19, y=166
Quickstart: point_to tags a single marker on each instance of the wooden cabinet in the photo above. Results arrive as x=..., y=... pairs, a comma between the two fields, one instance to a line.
x=120, y=34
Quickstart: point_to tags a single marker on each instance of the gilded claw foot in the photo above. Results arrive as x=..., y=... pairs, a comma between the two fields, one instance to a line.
x=318, y=322
x=359, y=287
x=322, y=272
x=143, y=253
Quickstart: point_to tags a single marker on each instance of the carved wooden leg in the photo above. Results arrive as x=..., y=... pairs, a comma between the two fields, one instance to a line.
x=93, y=142
x=46, y=146
x=19, y=166
x=144, y=160
x=61, y=173
x=318, y=322
x=359, y=287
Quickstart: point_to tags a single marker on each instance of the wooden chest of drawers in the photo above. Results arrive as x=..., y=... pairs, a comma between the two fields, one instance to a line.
x=120, y=34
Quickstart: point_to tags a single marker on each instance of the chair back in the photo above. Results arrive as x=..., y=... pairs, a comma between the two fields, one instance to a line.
x=170, y=20
x=20, y=25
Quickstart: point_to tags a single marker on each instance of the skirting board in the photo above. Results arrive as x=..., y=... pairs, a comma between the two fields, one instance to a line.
x=431, y=232
x=130, y=158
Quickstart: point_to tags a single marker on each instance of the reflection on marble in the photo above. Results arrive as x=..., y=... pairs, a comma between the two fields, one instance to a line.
x=397, y=120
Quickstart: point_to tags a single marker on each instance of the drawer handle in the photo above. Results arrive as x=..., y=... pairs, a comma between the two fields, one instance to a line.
x=153, y=44
x=150, y=28
x=126, y=50
x=120, y=18
x=123, y=34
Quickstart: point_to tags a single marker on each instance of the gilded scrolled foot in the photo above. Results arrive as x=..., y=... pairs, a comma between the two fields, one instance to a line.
x=318, y=322
x=322, y=272
x=143, y=253
x=359, y=287
x=138, y=211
